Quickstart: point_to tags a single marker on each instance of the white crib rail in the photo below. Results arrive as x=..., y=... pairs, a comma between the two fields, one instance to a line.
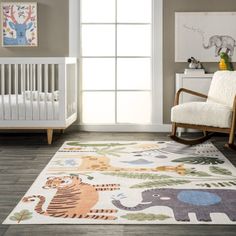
x=30, y=86
x=3, y=88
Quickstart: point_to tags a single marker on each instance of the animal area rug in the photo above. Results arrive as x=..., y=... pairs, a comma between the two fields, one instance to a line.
x=147, y=182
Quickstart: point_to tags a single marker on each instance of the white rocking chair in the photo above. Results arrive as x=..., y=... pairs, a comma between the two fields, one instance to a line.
x=217, y=114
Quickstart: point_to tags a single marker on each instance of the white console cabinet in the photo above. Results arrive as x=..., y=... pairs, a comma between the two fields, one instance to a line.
x=198, y=83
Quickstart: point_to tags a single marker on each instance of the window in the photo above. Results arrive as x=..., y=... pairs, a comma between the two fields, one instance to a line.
x=117, y=59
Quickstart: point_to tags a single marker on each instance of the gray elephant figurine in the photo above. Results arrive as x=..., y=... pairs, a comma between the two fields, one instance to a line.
x=220, y=42
x=202, y=202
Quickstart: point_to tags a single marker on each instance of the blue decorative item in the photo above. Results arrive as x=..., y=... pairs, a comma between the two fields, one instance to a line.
x=70, y=162
x=198, y=198
x=138, y=162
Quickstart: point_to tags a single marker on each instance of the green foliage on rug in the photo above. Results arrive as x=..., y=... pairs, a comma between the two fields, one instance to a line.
x=198, y=160
x=109, y=151
x=161, y=183
x=219, y=170
x=89, y=177
x=218, y=184
x=145, y=217
x=22, y=215
x=98, y=144
x=133, y=175
x=196, y=173
x=144, y=176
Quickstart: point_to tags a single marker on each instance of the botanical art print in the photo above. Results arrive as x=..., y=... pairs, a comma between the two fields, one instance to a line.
x=19, y=24
x=205, y=35
x=131, y=182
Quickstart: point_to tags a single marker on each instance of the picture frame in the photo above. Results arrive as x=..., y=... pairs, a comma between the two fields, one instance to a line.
x=19, y=24
x=204, y=35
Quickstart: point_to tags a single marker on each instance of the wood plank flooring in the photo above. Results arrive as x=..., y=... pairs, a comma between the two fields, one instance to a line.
x=22, y=158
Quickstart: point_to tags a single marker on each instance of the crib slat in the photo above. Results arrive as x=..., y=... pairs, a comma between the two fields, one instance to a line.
x=27, y=86
x=28, y=75
x=40, y=76
x=3, y=89
x=53, y=91
x=62, y=89
x=36, y=90
x=33, y=77
x=39, y=80
x=10, y=91
x=20, y=90
x=19, y=79
x=23, y=88
x=16, y=91
x=31, y=91
x=46, y=90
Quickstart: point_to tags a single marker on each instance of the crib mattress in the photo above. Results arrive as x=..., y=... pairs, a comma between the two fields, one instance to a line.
x=27, y=111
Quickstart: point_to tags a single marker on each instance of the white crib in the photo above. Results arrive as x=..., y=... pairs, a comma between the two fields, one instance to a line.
x=38, y=93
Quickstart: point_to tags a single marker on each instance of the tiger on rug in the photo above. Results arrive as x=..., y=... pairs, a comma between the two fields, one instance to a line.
x=73, y=199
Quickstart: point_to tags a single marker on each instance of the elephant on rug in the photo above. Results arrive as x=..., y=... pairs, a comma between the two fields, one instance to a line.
x=202, y=202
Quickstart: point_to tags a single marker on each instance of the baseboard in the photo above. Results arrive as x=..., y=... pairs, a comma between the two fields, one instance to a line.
x=165, y=128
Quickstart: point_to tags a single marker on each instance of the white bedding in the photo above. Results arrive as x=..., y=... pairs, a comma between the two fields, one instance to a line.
x=27, y=111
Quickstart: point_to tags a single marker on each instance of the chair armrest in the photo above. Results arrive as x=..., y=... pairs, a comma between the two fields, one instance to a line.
x=233, y=124
x=234, y=109
x=234, y=105
x=189, y=92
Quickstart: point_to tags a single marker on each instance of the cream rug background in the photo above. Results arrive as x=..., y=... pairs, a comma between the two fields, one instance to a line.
x=116, y=182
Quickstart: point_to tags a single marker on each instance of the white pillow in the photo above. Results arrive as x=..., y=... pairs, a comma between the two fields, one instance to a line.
x=41, y=95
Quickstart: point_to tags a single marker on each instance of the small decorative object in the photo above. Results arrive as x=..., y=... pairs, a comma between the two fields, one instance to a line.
x=194, y=64
x=195, y=67
x=19, y=24
x=225, y=63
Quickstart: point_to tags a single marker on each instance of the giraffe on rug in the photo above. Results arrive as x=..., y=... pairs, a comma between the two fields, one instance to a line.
x=102, y=163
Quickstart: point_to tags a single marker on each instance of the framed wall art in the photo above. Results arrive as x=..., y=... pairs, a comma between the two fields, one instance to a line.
x=19, y=24
x=204, y=35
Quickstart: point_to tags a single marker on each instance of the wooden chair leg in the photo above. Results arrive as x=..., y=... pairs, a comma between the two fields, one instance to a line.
x=174, y=129
x=49, y=135
x=231, y=144
x=231, y=137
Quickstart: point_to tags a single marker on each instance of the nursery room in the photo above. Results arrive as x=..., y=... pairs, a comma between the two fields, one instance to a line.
x=117, y=117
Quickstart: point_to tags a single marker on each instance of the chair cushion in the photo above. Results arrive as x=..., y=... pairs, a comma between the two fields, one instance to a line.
x=202, y=113
x=223, y=88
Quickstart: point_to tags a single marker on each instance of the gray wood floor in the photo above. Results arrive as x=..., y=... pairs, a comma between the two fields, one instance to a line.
x=22, y=158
